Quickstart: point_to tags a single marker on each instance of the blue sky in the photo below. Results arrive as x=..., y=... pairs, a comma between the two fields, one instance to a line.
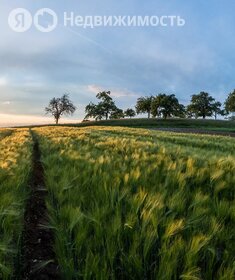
x=129, y=61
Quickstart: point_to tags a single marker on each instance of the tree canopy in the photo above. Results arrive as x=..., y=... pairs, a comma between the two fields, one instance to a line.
x=230, y=103
x=216, y=109
x=129, y=113
x=166, y=106
x=162, y=105
x=144, y=105
x=201, y=105
x=106, y=108
x=117, y=114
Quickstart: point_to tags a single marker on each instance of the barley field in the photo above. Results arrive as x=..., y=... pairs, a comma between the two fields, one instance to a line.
x=15, y=166
x=125, y=203
x=136, y=204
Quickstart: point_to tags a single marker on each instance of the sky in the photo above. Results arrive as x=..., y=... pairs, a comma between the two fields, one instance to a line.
x=129, y=61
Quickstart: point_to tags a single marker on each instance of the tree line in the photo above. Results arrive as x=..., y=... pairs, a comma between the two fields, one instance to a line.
x=163, y=105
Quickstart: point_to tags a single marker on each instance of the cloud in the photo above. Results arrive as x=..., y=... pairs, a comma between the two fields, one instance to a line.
x=38, y=66
x=6, y=103
x=114, y=92
x=3, y=81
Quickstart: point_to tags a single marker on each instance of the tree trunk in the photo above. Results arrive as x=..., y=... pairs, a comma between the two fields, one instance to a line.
x=148, y=115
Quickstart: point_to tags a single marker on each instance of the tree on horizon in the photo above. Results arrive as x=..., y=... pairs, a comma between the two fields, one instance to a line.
x=230, y=103
x=130, y=113
x=144, y=105
x=201, y=105
x=167, y=106
x=60, y=106
x=106, y=108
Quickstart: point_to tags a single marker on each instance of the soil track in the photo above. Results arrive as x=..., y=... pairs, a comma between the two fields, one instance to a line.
x=196, y=131
x=38, y=258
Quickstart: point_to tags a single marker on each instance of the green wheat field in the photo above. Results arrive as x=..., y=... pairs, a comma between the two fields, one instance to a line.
x=124, y=203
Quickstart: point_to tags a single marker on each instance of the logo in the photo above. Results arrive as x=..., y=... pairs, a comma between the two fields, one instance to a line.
x=45, y=20
x=21, y=20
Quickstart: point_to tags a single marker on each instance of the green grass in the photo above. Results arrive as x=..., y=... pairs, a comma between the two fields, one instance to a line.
x=5, y=132
x=137, y=204
x=215, y=125
x=220, y=125
x=15, y=166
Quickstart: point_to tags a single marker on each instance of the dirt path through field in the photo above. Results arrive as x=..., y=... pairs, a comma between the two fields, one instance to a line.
x=196, y=131
x=38, y=258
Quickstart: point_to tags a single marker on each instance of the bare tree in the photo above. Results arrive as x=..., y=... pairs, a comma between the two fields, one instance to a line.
x=60, y=106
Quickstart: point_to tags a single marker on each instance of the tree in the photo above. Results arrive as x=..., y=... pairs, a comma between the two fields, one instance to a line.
x=129, y=113
x=190, y=112
x=93, y=111
x=201, y=105
x=60, y=106
x=143, y=105
x=117, y=114
x=106, y=105
x=104, y=109
x=216, y=109
x=230, y=103
x=181, y=111
x=167, y=106
x=231, y=118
